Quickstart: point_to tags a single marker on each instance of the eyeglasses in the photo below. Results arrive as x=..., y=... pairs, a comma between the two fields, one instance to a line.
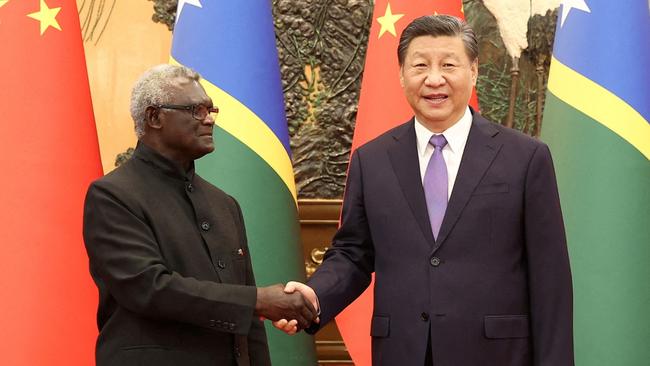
x=199, y=111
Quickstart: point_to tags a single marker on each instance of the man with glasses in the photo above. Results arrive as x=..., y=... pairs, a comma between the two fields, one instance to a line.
x=168, y=250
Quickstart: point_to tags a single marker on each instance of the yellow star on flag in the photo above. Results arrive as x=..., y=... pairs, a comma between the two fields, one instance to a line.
x=388, y=22
x=2, y=2
x=47, y=17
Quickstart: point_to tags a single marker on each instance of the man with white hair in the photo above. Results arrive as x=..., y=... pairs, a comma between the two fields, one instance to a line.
x=168, y=250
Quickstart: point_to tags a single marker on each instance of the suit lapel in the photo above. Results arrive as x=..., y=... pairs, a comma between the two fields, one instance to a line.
x=403, y=155
x=480, y=151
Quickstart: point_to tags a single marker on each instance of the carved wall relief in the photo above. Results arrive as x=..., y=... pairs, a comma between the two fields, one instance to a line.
x=511, y=90
x=322, y=50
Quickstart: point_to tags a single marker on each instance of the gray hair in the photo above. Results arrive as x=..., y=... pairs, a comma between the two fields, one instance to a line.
x=154, y=87
x=437, y=26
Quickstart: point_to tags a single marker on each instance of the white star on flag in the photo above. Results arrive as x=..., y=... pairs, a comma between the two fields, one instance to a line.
x=182, y=3
x=568, y=5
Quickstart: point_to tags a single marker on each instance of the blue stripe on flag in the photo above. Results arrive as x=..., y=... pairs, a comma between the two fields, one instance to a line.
x=241, y=61
x=610, y=46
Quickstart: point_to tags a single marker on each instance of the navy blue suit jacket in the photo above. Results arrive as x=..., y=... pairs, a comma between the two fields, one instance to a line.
x=494, y=289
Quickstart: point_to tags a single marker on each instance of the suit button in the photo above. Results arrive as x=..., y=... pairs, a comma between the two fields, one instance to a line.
x=190, y=188
x=435, y=261
x=221, y=264
x=424, y=316
x=205, y=226
x=212, y=323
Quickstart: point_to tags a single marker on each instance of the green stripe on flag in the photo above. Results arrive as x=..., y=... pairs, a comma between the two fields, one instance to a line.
x=272, y=228
x=604, y=185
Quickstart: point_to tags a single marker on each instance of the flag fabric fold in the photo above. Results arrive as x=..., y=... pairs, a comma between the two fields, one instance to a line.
x=382, y=106
x=232, y=45
x=597, y=124
x=49, y=153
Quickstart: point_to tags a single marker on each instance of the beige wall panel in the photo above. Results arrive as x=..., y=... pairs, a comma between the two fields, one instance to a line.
x=130, y=44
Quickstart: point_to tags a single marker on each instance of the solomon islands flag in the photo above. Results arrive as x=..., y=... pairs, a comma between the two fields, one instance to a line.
x=232, y=45
x=597, y=123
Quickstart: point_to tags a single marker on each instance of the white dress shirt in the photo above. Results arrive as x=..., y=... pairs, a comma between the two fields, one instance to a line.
x=456, y=136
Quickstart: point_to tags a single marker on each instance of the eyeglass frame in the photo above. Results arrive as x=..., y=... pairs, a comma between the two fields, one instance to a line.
x=191, y=107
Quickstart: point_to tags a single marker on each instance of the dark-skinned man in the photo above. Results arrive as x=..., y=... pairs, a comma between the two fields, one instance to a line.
x=168, y=250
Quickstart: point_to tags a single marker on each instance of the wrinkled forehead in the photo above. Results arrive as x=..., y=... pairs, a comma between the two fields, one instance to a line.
x=187, y=91
x=442, y=46
x=180, y=84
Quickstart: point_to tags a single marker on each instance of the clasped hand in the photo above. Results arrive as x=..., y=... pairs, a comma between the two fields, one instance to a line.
x=278, y=303
x=291, y=325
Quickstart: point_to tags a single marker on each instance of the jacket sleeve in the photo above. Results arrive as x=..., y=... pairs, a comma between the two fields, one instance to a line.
x=549, y=274
x=348, y=264
x=125, y=259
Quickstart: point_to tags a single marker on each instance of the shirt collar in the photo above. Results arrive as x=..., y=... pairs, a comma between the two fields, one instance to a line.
x=158, y=161
x=456, y=135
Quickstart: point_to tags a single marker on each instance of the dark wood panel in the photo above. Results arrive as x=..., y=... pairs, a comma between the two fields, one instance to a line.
x=319, y=220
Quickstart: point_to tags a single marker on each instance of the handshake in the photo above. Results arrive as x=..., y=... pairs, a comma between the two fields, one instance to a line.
x=290, y=308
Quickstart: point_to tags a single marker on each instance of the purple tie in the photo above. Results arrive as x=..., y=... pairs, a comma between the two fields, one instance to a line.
x=435, y=184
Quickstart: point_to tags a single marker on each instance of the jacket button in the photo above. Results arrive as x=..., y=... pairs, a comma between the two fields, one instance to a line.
x=205, y=226
x=190, y=188
x=435, y=261
x=424, y=316
x=212, y=322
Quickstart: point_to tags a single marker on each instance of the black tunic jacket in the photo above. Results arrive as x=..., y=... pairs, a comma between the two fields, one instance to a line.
x=168, y=253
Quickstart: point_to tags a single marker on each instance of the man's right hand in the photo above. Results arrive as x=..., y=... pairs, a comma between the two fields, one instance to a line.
x=289, y=326
x=305, y=290
x=274, y=303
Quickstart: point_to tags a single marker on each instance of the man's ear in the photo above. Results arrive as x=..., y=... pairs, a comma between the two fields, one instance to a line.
x=474, y=71
x=152, y=117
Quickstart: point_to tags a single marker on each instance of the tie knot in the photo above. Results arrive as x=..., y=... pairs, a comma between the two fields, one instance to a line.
x=438, y=141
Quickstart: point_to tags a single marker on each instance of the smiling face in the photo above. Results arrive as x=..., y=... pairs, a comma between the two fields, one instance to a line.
x=437, y=77
x=182, y=137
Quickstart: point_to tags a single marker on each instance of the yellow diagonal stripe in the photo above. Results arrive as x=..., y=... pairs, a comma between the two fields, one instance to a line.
x=239, y=121
x=600, y=104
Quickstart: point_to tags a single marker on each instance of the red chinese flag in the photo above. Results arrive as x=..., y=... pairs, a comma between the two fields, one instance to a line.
x=382, y=106
x=49, y=155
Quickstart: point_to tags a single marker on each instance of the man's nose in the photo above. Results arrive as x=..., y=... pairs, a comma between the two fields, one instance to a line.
x=209, y=119
x=435, y=77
